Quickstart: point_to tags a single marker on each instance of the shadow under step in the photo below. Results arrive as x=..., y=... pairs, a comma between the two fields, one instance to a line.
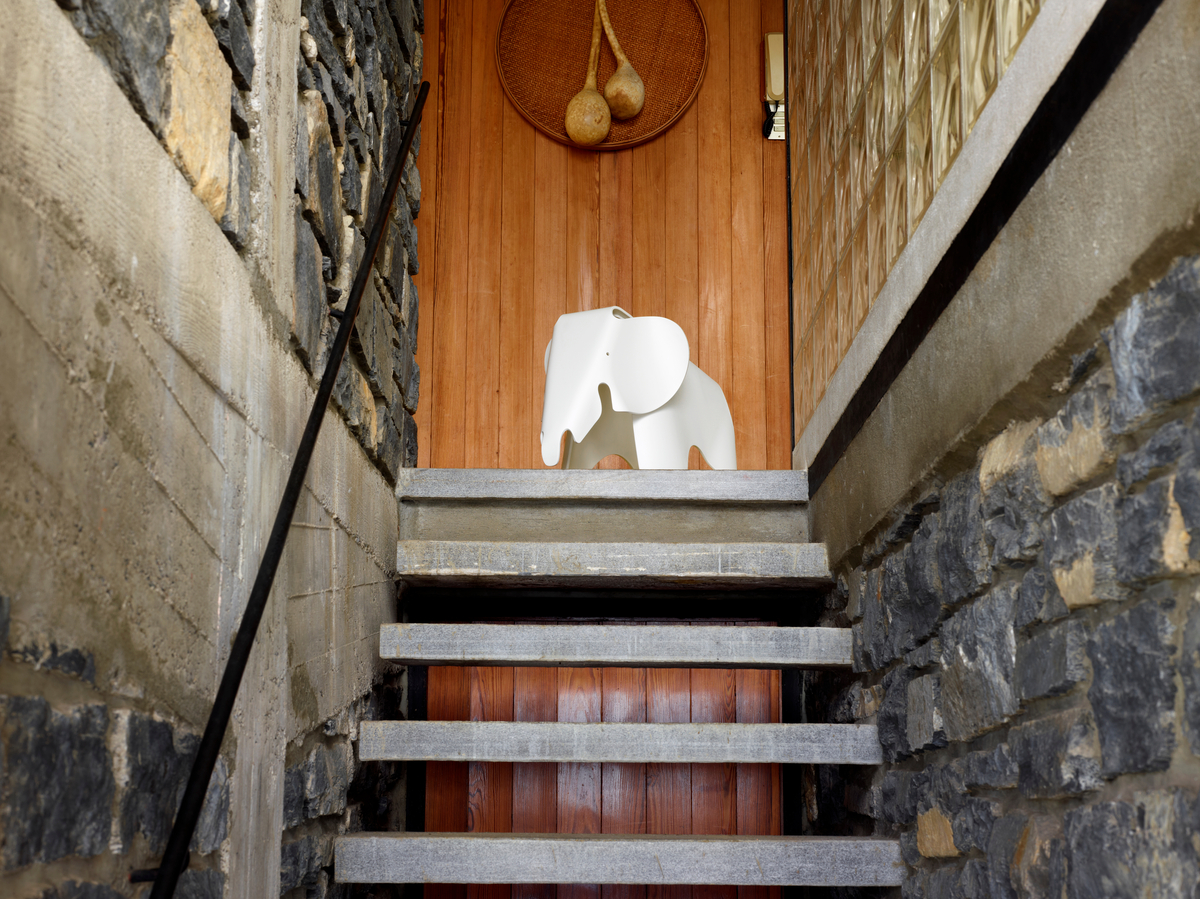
x=617, y=859
x=527, y=741
x=627, y=565
x=629, y=646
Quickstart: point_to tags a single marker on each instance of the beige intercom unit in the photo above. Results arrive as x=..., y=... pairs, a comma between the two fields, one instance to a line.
x=774, y=61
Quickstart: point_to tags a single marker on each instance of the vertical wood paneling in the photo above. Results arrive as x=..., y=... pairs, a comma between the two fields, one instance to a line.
x=623, y=787
x=447, y=699
x=714, y=787
x=668, y=787
x=579, y=792
x=649, y=228
x=775, y=283
x=519, y=381
x=550, y=255
x=490, y=784
x=583, y=230
x=481, y=412
x=756, y=801
x=776, y=770
x=593, y=798
x=430, y=168
x=535, y=786
x=616, y=229
x=691, y=226
x=681, y=246
x=749, y=400
x=715, y=235
x=449, y=367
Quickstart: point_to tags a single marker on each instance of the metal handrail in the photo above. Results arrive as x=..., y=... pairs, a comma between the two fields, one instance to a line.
x=176, y=855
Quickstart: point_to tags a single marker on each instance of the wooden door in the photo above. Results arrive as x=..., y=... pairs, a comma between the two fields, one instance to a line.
x=609, y=798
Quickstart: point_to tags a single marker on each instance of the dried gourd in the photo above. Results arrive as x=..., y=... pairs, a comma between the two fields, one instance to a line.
x=624, y=91
x=588, y=116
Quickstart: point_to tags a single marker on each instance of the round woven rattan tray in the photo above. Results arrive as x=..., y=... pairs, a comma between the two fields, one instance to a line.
x=542, y=55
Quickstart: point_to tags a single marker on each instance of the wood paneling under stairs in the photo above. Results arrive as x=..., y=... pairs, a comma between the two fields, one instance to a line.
x=604, y=798
x=515, y=230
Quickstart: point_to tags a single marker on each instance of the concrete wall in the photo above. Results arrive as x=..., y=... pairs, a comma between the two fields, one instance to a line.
x=1015, y=531
x=157, y=364
x=1107, y=217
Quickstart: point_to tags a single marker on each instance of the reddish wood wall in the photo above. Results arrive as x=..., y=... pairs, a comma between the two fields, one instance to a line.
x=595, y=798
x=516, y=230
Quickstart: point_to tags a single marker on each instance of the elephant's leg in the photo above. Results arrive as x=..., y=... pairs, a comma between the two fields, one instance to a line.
x=612, y=434
x=697, y=415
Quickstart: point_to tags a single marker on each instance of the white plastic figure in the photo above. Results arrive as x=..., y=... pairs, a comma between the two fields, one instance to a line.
x=624, y=385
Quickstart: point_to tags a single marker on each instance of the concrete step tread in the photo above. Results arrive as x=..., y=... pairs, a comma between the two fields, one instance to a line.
x=636, y=486
x=530, y=741
x=635, y=646
x=489, y=563
x=617, y=859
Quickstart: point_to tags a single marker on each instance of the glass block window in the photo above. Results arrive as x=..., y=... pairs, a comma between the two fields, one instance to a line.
x=884, y=94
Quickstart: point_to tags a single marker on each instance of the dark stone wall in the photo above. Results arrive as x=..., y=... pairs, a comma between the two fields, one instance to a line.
x=93, y=783
x=91, y=775
x=87, y=778
x=327, y=791
x=359, y=69
x=1026, y=638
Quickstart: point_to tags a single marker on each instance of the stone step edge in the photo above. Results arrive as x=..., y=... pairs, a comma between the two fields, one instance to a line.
x=617, y=859
x=696, y=743
x=631, y=646
x=520, y=485
x=727, y=562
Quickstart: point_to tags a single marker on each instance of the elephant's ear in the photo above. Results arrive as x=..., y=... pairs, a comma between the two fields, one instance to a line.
x=648, y=363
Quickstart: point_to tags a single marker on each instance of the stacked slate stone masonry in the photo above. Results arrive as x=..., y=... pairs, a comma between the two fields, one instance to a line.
x=89, y=792
x=186, y=67
x=359, y=68
x=90, y=777
x=1027, y=637
x=101, y=779
x=327, y=792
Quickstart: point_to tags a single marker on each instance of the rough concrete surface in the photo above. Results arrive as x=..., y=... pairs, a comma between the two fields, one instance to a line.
x=151, y=405
x=625, y=564
x=604, y=521
x=610, y=858
x=1089, y=249
x=651, y=645
x=1043, y=53
x=556, y=741
x=522, y=484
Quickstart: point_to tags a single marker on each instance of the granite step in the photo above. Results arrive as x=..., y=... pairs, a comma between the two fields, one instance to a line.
x=617, y=859
x=499, y=564
x=500, y=505
x=528, y=741
x=630, y=646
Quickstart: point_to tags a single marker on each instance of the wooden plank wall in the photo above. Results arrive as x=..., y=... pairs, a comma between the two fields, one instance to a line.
x=516, y=229
x=603, y=798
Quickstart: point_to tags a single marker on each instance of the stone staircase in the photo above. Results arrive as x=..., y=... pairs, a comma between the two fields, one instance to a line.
x=741, y=533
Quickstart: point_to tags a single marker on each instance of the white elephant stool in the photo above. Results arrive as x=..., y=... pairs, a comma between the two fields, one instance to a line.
x=624, y=385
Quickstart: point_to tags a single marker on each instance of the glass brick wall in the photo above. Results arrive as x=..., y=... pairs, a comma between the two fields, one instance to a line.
x=882, y=96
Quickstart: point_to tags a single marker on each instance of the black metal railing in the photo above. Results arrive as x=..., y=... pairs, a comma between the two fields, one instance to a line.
x=176, y=856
